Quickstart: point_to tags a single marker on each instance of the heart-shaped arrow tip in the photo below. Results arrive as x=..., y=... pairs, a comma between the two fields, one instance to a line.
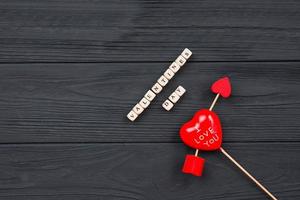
x=222, y=87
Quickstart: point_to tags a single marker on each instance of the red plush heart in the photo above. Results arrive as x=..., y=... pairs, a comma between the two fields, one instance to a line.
x=203, y=132
x=222, y=86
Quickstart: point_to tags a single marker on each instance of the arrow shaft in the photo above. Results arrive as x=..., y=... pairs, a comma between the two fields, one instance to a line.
x=214, y=102
x=196, y=152
x=248, y=174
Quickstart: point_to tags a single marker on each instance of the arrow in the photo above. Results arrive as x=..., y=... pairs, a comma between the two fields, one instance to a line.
x=223, y=87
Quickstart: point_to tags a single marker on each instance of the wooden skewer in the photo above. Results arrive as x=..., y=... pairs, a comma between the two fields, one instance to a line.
x=196, y=152
x=248, y=174
x=214, y=102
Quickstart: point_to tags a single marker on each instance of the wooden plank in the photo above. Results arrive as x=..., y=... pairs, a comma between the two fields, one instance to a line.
x=144, y=171
x=139, y=30
x=89, y=102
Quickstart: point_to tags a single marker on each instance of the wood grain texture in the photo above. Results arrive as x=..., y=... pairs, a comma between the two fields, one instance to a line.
x=144, y=171
x=89, y=102
x=70, y=71
x=141, y=30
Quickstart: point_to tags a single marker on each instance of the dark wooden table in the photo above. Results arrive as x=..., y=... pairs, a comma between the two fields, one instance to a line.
x=72, y=69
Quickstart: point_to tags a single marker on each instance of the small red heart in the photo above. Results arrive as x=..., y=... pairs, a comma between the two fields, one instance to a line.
x=203, y=131
x=222, y=86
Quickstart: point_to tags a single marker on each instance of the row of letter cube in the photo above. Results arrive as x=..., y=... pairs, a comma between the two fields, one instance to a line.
x=161, y=82
x=173, y=98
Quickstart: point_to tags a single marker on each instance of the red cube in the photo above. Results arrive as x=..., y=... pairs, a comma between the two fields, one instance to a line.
x=193, y=165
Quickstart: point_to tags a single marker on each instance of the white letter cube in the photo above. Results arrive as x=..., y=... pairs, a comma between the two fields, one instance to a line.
x=150, y=95
x=180, y=60
x=138, y=109
x=186, y=53
x=144, y=103
x=132, y=116
x=174, y=97
x=180, y=90
x=169, y=74
x=174, y=67
x=162, y=81
x=167, y=105
x=156, y=88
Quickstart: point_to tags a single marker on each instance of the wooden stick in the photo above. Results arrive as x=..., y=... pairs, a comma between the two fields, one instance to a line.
x=211, y=107
x=248, y=174
x=196, y=152
x=214, y=102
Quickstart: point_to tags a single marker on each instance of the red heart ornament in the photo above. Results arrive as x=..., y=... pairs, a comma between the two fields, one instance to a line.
x=203, y=131
x=222, y=86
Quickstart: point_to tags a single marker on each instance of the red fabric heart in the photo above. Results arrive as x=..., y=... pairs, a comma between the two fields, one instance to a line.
x=203, y=132
x=222, y=86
